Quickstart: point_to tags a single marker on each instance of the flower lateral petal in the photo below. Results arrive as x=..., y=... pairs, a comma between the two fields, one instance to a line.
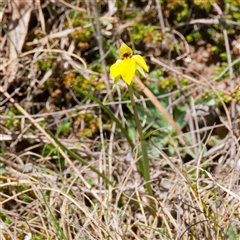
x=127, y=69
x=140, y=62
x=115, y=69
x=140, y=69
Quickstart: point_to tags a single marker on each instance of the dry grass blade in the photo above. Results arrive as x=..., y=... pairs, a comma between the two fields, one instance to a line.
x=56, y=141
x=17, y=32
x=162, y=110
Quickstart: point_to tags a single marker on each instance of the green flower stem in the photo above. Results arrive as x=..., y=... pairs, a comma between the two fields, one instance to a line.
x=144, y=164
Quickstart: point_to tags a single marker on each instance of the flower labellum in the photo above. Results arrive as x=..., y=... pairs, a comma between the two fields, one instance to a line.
x=127, y=65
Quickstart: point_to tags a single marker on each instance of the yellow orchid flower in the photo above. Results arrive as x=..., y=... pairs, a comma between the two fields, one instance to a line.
x=127, y=65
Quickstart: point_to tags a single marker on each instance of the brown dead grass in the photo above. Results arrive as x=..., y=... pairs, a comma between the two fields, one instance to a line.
x=47, y=194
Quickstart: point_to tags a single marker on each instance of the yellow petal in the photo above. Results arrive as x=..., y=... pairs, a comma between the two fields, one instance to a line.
x=141, y=71
x=115, y=70
x=140, y=62
x=127, y=69
x=125, y=51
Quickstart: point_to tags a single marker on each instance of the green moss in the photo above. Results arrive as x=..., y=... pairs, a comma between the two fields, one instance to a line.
x=5, y=219
x=82, y=35
x=193, y=37
x=237, y=94
x=167, y=83
x=78, y=18
x=138, y=32
x=25, y=198
x=39, y=237
x=184, y=82
x=92, y=84
x=45, y=64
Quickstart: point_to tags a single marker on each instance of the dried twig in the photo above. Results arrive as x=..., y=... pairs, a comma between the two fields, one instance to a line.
x=232, y=80
x=21, y=13
x=100, y=44
x=164, y=112
x=160, y=16
x=229, y=58
x=205, y=21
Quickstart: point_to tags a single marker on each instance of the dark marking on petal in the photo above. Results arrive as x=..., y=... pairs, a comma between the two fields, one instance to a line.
x=126, y=55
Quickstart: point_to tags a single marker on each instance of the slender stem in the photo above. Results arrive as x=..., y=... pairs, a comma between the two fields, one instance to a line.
x=144, y=164
x=99, y=39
